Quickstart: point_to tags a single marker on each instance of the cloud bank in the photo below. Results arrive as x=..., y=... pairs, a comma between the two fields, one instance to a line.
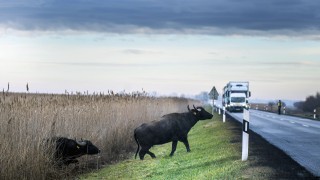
x=220, y=17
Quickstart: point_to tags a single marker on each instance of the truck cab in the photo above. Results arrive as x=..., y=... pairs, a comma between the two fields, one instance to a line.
x=237, y=102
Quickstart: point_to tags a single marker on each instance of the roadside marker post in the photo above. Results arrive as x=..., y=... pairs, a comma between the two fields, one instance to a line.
x=284, y=110
x=314, y=115
x=219, y=110
x=245, y=135
x=224, y=114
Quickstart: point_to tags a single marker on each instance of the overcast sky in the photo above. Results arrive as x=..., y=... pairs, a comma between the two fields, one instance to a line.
x=167, y=46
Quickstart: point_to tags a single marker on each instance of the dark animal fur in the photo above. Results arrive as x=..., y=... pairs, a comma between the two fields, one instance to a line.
x=171, y=127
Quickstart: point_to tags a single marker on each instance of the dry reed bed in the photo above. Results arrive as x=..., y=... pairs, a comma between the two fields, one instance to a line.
x=107, y=120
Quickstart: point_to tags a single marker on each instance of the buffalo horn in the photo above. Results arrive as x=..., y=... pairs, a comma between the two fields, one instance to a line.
x=82, y=143
x=188, y=108
x=195, y=108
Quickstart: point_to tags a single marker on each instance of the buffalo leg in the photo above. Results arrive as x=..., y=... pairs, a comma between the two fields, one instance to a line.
x=186, y=143
x=142, y=153
x=145, y=150
x=174, y=147
x=151, y=154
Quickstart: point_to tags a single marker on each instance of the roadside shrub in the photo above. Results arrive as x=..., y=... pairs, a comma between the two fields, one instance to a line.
x=311, y=103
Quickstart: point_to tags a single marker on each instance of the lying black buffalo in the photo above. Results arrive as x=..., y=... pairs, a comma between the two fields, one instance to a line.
x=67, y=150
x=171, y=127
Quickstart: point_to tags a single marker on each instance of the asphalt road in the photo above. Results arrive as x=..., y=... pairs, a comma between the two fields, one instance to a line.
x=298, y=137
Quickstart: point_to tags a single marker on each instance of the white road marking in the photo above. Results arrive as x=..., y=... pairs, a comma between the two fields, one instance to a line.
x=305, y=125
x=292, y=122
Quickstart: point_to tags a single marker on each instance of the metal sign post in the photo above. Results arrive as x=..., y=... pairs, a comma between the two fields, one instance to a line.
x=314, y=115
x=245, y=135
x=213, y=106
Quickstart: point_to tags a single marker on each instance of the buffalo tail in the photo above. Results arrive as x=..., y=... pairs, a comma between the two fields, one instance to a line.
x=135, y=137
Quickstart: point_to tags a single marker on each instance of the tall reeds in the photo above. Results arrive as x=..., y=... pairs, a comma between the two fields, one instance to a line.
x=26, y=120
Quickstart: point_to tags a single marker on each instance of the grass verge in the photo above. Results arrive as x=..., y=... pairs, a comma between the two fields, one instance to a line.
x=215, y=154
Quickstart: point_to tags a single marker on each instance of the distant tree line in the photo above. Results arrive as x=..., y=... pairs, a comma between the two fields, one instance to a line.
x=202, y=96
x=311, y=103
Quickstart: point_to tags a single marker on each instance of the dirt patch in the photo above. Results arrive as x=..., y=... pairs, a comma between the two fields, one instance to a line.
x=267, y=161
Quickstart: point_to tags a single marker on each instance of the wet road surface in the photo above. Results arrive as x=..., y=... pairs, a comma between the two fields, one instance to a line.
x=298, y=137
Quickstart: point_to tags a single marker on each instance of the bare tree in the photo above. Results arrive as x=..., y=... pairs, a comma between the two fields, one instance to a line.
x=271, y=104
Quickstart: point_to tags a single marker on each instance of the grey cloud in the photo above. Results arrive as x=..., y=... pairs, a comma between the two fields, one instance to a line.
x=138, y=51
x=133, y=51
x=164, y=16
x=94, y=64
x=292, y=63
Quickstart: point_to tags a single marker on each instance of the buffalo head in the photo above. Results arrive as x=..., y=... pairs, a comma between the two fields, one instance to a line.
x=200, y=113
x=87, y=147
x=67, y=150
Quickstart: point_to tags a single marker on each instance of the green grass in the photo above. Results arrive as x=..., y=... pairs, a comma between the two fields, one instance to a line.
x=214, y=155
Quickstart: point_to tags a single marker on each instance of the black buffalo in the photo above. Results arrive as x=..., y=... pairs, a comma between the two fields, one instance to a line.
x=67, y=150
x=171, y=127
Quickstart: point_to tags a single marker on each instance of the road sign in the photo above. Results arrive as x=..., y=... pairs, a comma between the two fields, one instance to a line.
x=213, y=94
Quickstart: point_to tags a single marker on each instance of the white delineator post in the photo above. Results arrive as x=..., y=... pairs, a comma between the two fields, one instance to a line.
x=284, y=110
x=245, y=135
x=314, y=114
x=219, y=110
x=224, y=114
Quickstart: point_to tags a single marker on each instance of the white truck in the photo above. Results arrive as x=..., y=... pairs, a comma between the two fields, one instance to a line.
x=235, y=96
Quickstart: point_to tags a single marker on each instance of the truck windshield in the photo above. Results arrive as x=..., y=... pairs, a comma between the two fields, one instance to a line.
x=238, y=99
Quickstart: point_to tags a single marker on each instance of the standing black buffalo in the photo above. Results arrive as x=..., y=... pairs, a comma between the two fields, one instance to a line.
x=171, y=127
x=67, y=150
